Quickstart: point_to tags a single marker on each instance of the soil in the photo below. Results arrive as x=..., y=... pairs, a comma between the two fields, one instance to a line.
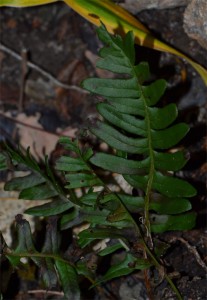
x=60, y=42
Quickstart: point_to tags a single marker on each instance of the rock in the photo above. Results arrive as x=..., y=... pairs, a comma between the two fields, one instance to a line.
x=136, y=6
x=135, y=292
x=195, y=21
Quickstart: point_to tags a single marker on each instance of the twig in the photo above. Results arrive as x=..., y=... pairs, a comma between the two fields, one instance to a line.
x=23, y=77
x=45, y=292
x=148, y=284
x=32, y=126
x=192, y=249
x=41, y=71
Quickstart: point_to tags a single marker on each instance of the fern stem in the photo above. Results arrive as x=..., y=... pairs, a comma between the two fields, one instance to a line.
x=158, y=266
x=37, y=254
x=173, y=287
x=150, y=254
x=151, y=172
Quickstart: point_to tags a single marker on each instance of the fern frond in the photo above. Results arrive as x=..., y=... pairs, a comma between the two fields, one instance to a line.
x=77, y=172
x=39, y=184
x=92, y=207
x=133, y=126
x=53, y=267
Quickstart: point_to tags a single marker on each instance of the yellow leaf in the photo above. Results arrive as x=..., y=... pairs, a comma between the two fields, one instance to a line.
x=24, y=3
x=114, y=17
x=118, y=20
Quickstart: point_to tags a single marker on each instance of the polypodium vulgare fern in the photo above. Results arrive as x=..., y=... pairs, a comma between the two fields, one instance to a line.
x=135, y=128
x=140, y=136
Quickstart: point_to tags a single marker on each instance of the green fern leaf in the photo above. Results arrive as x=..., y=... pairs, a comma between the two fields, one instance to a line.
x=55, y=207
x=127, y=266
x=3, y=162
x=52, y=266
x=78, y=174
x=28, y=181
x=69, y=280
x=39, y=184
x=132, y=125
x=110, y=249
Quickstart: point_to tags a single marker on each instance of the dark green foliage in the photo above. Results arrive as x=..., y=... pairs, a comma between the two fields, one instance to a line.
x=52, y=266
x=140, y=136
x=127, y=266
x=38, y=184
x=147, y=133
x=3, y=162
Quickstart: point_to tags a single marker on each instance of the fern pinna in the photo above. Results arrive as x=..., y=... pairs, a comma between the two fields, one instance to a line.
x=140, y=136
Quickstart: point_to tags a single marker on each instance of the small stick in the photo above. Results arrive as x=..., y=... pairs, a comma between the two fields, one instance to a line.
x=32, y=126
x=148, y=284
x=46, y=292
x=41, y=71
x=23, y=77
x=192, y=249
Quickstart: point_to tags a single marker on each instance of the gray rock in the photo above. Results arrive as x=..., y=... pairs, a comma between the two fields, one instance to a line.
x=136, y=292
x=135, y=6
x=195, y=21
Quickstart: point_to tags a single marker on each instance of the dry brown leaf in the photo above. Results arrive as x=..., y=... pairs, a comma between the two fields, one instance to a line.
x=41, y=142
x=93, y=59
